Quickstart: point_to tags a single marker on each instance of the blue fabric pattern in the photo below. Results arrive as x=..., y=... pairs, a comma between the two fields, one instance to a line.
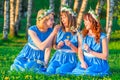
x=30, y=55
x=63, y=60
x=96, y=66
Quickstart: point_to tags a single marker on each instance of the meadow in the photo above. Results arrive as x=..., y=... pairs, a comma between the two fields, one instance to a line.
x=10, y=48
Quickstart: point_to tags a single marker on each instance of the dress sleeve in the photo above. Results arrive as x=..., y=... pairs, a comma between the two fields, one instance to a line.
x=33, y=28
x=103, y=35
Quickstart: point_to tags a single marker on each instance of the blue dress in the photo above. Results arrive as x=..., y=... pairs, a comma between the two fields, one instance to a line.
x=30, y=57
x=96, y=66
x=64, y=60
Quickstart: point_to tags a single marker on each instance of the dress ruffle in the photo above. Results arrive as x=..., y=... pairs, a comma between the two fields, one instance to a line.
x=27, y=59
x=64, y=56
x=30, y=57
x=96, y=67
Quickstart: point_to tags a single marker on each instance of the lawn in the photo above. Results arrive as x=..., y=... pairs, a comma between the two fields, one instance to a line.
x=10, y=48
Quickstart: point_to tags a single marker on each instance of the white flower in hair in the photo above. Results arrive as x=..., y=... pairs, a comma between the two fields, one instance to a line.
x=67, y=8
x=46, y=12
x=94, y=15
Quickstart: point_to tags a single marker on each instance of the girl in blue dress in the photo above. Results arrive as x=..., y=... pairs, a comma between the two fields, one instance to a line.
x=93, y=50
x=35, y=54
x=66, y=42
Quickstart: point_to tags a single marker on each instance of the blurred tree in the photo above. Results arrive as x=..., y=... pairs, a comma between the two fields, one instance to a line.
x=20, y=14
x=12, y=18
x=80, y=14
x=17, y=15
x=24, y=8
x=109, y=17
x=52, y=6
x=77, y=4
x=64, y=2
x=99, y=6
x=6, y=19
x=29, y=13
x=70, y=2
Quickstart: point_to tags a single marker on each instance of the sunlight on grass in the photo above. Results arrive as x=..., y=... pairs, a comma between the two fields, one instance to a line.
x=11, y=48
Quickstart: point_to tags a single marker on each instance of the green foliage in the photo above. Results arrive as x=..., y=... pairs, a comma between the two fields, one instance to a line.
x=91, y=4
x=115, y=26
x=1, y=23
x=117, y=11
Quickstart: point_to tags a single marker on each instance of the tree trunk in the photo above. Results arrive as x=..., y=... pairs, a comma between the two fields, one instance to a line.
x=20, y=14
x=29, y=13
x=17, y=16
x=52, y=6
x=109, y=17
x=64, y=2
x=12, y=19
x=6, y=19
x=82, y=9
x=76, y=5
x=70, y=3
x=99, y=6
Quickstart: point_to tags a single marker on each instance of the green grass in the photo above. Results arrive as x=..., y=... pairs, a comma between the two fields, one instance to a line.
x=10, y=48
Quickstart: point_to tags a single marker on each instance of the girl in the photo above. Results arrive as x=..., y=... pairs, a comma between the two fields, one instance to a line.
x=32, y=56
x=93, y=51
x=64, y=59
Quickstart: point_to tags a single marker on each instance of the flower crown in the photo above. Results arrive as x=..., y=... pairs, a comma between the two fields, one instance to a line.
x=94, y=15
x=45, y=13
x=67, y=8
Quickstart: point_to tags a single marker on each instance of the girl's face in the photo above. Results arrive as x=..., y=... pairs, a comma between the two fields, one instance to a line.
x=50, y=21
x=64, y=19
x=87, y=23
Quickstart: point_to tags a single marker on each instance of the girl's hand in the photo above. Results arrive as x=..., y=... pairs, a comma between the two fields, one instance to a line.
x=86, y=48
x=45, y=65
x=84, y=65
x=56, y=29
x=60, y=44
x=67, y=42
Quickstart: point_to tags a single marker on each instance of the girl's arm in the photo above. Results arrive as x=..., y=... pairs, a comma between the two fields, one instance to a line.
x=44, y=44
x=80, y=53
x=74, y=48
x=47, y=56
x=54, y=43
x=59, y=45
x=104, y=54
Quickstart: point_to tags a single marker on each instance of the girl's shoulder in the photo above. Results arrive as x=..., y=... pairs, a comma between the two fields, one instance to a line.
x=102, y=35
x=34, y=28
x=60, y=31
